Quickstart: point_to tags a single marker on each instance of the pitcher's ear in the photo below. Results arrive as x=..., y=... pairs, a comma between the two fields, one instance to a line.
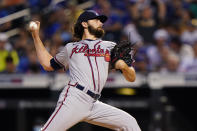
x=84, y=24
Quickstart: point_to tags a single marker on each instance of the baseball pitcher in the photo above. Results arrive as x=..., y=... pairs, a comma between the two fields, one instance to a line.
x=88, y=62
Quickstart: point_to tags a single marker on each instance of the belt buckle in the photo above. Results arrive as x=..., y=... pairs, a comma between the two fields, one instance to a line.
x=96, y=96
x=93, y=95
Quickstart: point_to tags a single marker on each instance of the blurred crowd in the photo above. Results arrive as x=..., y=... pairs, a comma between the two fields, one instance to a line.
x=164, y=31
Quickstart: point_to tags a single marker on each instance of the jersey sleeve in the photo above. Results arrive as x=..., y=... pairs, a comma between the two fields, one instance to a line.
x=60, y=60
x=111, y=45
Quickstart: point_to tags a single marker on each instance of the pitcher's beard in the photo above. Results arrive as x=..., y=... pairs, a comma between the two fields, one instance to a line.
x=97, y=32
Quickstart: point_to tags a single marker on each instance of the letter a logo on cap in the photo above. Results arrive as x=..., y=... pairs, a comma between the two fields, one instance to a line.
x=93, y=12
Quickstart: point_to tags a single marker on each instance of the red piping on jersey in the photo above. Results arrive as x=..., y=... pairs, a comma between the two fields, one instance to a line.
x=72, y=85
x=97, y=66
x=57, y=110
x=90, y=66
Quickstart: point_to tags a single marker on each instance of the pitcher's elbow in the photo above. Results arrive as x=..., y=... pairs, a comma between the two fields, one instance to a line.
x=47, y=67
x=131, y=79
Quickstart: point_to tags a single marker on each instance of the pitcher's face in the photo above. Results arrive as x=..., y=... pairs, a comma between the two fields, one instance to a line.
x=95, y=28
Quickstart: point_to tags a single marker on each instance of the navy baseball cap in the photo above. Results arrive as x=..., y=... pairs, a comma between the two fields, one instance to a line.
x=89, y=15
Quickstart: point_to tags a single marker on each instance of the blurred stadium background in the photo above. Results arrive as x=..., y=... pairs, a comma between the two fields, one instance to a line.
x=163, y=98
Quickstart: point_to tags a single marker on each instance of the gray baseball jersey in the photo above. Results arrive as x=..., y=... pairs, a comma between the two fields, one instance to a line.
x=88, y=62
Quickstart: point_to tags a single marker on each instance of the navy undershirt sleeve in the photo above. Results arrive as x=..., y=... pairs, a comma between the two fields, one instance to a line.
x=55, y=65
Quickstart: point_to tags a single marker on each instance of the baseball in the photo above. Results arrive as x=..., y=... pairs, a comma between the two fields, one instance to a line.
x=33, y=25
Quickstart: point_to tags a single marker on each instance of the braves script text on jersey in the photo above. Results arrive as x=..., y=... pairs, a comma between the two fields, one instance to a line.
x=88, y=62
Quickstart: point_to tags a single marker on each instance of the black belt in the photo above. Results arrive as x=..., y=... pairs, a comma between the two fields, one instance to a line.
x=90, y=93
